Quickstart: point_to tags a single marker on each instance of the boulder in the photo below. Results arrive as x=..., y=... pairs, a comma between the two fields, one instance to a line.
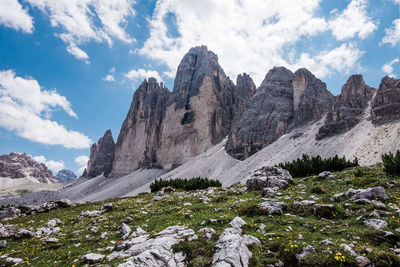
x=273, y=207
x=231, y=247
x=325, y=175
x=24, y=233
x=374, y=193
x=3, y=243
x=8, y=213
x=125, y=230
x=307, y=250
x=271, y=177
x=93, y=258
x=376, y=223
x=362, y=261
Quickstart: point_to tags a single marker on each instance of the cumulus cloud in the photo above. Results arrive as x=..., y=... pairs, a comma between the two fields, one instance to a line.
x=26, y=110
x=142, y=74
x=353, y=21
x=88, y=20
x=81, y=161
x=392, y=34
x=388, y=67
x=251, y=36
x=13, y=15
x=54, y=166
x=341, y=59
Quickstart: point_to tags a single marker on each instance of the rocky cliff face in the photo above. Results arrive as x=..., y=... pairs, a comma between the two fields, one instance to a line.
x=101, y=156
x=164, y=129
x=386, y=105
x=65, y=176
x=348, y=108
x=139, y=139
x=17, y=165
x=283, y=101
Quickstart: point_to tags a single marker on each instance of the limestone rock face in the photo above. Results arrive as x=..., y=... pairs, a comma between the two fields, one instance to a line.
x=267, y=117
x=348, y=108
x=101, y=156
x=15, y=165
x=245, y=88
x=139, y=138
x=200, y=110
x=311, y=99
x=386, y=105
x=283, y=101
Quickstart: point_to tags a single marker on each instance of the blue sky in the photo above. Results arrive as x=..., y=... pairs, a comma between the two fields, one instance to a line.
x=69, y=68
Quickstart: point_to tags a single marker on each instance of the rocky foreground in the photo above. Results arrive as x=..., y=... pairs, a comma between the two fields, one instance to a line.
x=350, y=217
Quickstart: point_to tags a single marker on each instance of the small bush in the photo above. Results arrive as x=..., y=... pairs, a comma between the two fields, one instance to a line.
x=306, y=165
x=185, y=184
x=359, y=173
x=252, y=210
x=391, y=163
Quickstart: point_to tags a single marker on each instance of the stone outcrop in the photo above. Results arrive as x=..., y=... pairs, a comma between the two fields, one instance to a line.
x=386, y=104
x=283, y=101
x=164, y=129
x=15, y=165
x=65, y=176
x=101, y=156
x=348, y=108
x=140, y=136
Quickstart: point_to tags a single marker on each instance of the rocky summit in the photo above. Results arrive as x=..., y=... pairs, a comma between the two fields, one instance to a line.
x=165, y=129
x=65, y=176
x=15, y=165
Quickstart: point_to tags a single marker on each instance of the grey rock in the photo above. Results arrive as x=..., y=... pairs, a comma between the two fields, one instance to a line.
x=6, y=231
x=101, y=156
x=374, y=193
x=65, y=176
x=362, y=261
x=273, y=207
x=362, y=201
x=351, y=192
x=157, y=251
x=379, y=204
x=208, y=232
x=93, y=258
x=46, y=231
x=10, y=212
x=269, y=192
x=348, y=107
x=376, y=223
x=51, y=240
x=231, y=247
x=271, y=177
x=125, y=230
x=261, y=229
x=325, y=175
x=349, y=249
x=327, y=242
x=14, y=260
x=237, y=222
x=386, y=104
x=53, y=223
x=307, y=250
x=63, y=203
x=159, y=195
x=3, y=243
x=24, y=233
x=375, y=214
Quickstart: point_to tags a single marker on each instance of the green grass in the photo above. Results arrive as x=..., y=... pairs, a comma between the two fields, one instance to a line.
x=225, y=205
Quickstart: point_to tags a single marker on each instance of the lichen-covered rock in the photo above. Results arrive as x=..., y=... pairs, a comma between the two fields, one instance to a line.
x=348, y=108
x=101, y=156
x=386, y=104
x=231, y=247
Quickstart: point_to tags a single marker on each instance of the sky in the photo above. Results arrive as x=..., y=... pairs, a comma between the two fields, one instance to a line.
x=69, y=68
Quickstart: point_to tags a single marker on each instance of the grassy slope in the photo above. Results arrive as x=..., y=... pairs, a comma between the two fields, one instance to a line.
x=224, y=206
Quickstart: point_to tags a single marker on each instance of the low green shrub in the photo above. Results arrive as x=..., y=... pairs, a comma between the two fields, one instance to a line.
x=306, y=165
x=359, y=173
x=185, y=184
x=391, y=163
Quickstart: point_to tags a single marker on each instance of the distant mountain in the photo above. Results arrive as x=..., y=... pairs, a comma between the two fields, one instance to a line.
x=165, y=129
x=15, y=165
x=65, y=176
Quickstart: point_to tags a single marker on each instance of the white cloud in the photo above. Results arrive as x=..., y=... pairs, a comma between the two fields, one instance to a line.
x=353, y=21
x=109, y=78
x=26, y=110
x=81, y=161
x=392, y=34
x=142, y=74
x=251, y=36
x=388, y=67
x=14, y=16
x=54, y=166
x=341, y=59
x=83, y=21
x=77, y=52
